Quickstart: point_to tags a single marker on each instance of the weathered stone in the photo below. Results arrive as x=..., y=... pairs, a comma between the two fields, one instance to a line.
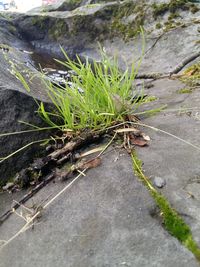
x=115, y=25
x=159, y=182
x=104, y=220
x=16, y=104
x=113, y=222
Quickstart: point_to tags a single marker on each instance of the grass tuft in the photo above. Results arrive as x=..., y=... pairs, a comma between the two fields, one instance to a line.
x=99, y=94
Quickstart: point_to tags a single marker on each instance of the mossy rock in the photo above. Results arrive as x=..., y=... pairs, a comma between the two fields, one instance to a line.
x=123, y=25
x=40, y=22
x=173, y=6
x=58, y=29
x=185, y=90
x=191, y=75
x=69, y=5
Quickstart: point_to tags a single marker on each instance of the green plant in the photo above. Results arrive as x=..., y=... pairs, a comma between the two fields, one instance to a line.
x=158, y=25
x=130, y=28
x=99, y=95
x=185, y=90
x=172, y=221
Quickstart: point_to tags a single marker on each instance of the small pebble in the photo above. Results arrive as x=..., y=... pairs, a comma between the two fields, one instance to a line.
x=159, y=182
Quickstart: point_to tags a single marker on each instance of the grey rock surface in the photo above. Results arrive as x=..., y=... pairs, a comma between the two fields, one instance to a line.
x=108, y=217
x=159, y=182
x=105, y=21
x=16, y=104
x=15, y=107
x=104, y=219
x=172, y=159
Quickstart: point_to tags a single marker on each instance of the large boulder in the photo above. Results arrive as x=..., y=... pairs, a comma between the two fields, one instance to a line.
x=116, y=26
x=78, y=26
x=16, y=104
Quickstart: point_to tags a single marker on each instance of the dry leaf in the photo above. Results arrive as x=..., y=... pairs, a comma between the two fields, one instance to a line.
x=133, y=118
x=93, y=163
x=80, y=166
x=92, y=151
x=138, y=141
x=190, y=72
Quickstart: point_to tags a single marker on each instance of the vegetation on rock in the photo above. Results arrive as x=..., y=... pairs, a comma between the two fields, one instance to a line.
x=191, y=76
x=127, y=19
x=99, y=94
x=173, y=6
x=172, y=221
x=58, y=29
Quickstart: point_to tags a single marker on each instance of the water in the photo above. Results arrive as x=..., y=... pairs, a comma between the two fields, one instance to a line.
x=58, y=74
x=55, y=72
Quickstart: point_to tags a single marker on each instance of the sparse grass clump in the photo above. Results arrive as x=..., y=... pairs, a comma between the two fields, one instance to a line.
x=98, y=95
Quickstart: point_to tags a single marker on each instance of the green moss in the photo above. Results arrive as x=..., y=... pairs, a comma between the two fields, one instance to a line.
x=84, y=24
x=173, y=6
x=172, y=221
x=149, y=99
x=194, y=9
x=158, y=25
x=12, y=29
x=40, y=22
x=71, y=4
x=58, y=29
x=173, y=16
x=178, y=23
x=159, y=9
x=6, y=15
x=121, y=25
x=170, y=24
x=191, y=75
x=5, y=46
x=185, y=91
x=117, y=21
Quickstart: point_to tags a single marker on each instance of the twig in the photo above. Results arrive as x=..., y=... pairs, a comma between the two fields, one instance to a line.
x=187, y=60
x=177, y=69
x=153, y=75
x=28, y=224
x=165, y=132
x=154, y=44
x=27, y=197
x=109, y=143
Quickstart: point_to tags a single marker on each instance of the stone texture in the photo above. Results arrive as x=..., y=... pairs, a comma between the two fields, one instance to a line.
x=104, y=219
x=108, y=217
x=16, y=104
